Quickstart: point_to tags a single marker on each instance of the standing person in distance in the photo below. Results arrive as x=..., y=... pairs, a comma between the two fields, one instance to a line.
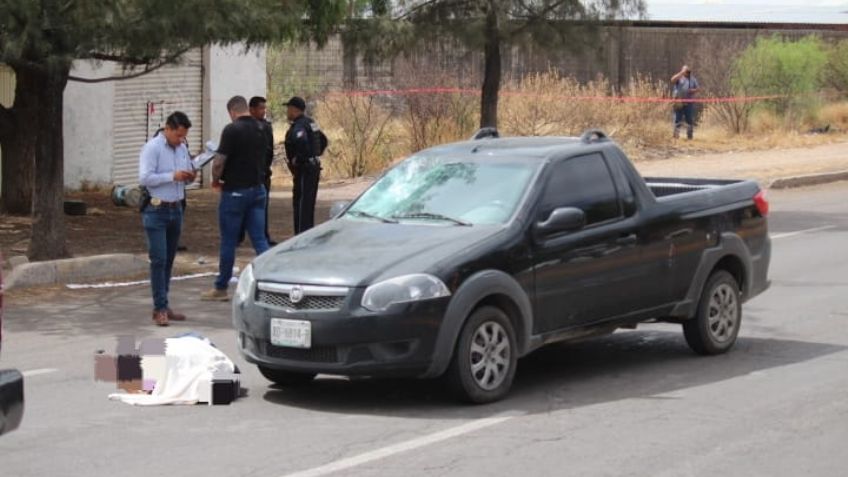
x=305, y=142
x=164, y=169
x=685, y=87
x=238, y=170
x=258, y=109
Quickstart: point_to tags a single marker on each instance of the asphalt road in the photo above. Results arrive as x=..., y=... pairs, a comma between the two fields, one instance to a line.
x=634, y=403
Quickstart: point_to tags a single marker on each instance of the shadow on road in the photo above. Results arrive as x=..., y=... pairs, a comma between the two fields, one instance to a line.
x=626, y=365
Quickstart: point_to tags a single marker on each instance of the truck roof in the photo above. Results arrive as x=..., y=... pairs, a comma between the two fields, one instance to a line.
x=538, y=147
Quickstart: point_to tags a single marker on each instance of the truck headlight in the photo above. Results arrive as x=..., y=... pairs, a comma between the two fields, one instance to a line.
x=244, y=289
x=403, y=289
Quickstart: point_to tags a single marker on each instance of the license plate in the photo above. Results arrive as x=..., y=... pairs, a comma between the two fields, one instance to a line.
x=291, y=333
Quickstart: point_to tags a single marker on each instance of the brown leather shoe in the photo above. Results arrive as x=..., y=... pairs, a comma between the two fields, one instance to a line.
x=173, y=316
x=160, y=318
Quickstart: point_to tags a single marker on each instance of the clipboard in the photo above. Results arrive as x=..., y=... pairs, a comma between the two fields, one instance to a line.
x=206, y=156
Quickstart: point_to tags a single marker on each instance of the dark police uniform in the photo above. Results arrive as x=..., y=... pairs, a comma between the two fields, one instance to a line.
x=269, y=159
x=303, y=148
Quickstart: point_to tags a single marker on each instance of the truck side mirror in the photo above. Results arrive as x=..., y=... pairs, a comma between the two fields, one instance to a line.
x=564, y=219
x=337, y=208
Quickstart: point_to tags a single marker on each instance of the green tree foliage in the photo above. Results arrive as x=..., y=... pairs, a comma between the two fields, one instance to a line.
x=775, y=66
x=489, y=26
x=40, y=40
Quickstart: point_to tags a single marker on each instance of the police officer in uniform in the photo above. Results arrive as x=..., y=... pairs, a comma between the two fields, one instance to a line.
x=304, y=145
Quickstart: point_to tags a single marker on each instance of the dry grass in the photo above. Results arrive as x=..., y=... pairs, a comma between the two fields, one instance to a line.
x=835, y=115
x=550, y=104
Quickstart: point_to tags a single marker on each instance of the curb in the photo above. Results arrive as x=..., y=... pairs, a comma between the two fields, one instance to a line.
x=81, y=269
x=809, y=180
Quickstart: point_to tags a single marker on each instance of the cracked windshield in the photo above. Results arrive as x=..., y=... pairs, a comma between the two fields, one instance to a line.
x=428, y=189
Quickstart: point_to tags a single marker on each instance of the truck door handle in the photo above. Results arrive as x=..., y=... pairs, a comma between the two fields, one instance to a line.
x=627, y=240
x=679, y=234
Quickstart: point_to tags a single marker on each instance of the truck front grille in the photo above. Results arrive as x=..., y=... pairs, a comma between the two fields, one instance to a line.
x=309, y=302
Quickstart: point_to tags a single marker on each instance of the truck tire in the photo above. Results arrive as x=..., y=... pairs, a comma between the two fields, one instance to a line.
x=286, y=378
x=484, y=361
x=715, y=327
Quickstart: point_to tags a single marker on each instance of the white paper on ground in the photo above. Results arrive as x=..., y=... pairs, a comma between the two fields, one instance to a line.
x=80, y=286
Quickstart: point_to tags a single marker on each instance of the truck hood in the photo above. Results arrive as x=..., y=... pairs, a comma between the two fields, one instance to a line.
x=357, y=253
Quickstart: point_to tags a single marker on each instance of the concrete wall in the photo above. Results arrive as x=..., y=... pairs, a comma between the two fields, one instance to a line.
x=88, y=125
x=229, y=71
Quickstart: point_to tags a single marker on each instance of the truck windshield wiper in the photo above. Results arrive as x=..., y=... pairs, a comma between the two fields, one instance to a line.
x=431, y=215
x=360, y=213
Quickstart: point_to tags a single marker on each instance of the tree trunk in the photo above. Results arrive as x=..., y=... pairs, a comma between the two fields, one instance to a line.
x=48, y=224
x=349, y=55
x=18, y=140
x=491, y=71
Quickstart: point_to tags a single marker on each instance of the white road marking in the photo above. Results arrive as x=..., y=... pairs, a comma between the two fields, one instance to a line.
x=799, y=232
x=406, y=446
x=36, y=372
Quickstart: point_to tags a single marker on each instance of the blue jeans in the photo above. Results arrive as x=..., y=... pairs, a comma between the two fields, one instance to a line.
x=237, y=207
x=687, y=112
x=162, y=226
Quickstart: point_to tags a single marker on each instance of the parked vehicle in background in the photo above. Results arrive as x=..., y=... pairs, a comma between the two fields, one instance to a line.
x=468, y=256
x=11, y=383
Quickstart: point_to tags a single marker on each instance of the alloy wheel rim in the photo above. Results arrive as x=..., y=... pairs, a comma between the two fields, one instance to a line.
x=723, y=313
x=490, y=355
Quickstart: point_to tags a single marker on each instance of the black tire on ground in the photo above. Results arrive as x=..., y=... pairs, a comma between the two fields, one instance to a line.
x=286, y=378
x=483, y=364
x=715, y=327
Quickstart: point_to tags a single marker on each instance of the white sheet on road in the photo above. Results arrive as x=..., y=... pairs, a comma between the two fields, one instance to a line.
x=190, y=364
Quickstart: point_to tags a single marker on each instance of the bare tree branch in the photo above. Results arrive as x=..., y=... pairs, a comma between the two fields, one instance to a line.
x=148, y=69
x=130, y=60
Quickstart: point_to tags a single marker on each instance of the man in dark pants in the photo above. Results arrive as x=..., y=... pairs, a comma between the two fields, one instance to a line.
x=258, y=108
x=304, y=145
x=164, y=169
x=238, y=171
x=685, y=87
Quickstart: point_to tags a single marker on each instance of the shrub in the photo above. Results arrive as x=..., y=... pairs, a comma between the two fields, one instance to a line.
x=837, y=67
x=713, y=67
x=792, y=69
x=435, y=118
x=360, y=133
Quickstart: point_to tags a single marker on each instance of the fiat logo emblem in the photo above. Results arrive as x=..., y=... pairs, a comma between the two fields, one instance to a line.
x=296, y=294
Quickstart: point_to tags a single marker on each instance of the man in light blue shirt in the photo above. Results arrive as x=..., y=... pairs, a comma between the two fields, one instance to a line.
x=165, y=168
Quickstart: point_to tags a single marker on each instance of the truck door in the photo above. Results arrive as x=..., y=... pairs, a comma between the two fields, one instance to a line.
x=592, y=273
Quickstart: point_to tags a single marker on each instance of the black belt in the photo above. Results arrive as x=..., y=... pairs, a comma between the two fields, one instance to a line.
x=163, y=204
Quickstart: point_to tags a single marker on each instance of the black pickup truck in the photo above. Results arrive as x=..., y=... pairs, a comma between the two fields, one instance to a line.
x=465, y=257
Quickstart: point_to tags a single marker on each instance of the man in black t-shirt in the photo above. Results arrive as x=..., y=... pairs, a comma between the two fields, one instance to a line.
x=238, y=171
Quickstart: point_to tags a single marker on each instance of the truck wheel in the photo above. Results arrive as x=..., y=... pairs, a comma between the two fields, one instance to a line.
x=715, y=327
x=286, y=378
x=484, y=361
